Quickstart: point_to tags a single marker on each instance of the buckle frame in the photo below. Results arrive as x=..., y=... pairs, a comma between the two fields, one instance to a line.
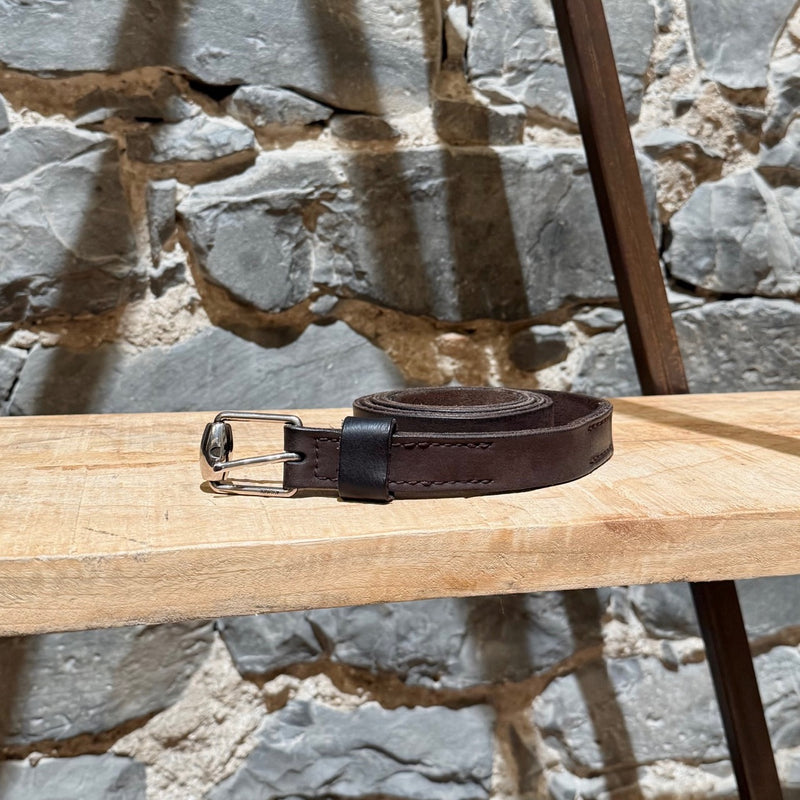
x=217, y=444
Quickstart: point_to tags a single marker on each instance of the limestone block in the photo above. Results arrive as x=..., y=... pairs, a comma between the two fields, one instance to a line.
x=600, y=318
x=734, y=44
x=312, y=751
x=11, y=361
x=742, y=345
x=514, y=52
x=781, y=164
x=367, y=57
x=469, y=123
x=784, y=94
x=676, y=56
x=413, y=230
x=214, y=369
x=68, y=245
x=4, y=124
x=673, y=143
x=453, y=643
x=739, y=235
x=539, y=346
x=161, y=201
x=76, y=778
x=769, y=605
x=65, y=684
x=362, y=128
x=199, y=138
x=260, y=106
x=714, y=781
x=160, y=102
x=668, y=714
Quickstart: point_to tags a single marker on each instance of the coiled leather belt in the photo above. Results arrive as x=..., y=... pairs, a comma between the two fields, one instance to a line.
x=428, y=442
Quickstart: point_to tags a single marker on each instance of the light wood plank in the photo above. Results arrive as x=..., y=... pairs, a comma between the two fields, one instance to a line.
x=104, y=522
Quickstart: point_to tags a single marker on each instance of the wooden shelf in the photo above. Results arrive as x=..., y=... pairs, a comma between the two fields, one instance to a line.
x=104, y=521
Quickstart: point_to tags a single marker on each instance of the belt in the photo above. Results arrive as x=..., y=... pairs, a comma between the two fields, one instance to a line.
x=426, y=442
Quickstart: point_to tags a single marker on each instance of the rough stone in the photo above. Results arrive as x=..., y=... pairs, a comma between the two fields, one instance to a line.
x=261, y=106
x=663, y=779
x=733, y=44
x=791, y=777
x=214, y=369
x=161, y=202
x=664, y=13
x=371, y=57
x=351, y=222
x=600, y=318
x=665, y=609
x=538, y=347
x=68, y=245
x=566, y=786
x=4, y=123
x=784, y=94
x=11, y=361
x=323, y=305
x=170, y=270
x=468, y=123
x=633, y=710
x=769, y=605
x=514, y=52
x=163, y=102
x=361, y=128
x=452, y=643
x=781, y=164
x=199, y=138
x=674, y=143
x=676, y=56
x=776, y=671
x=739, y=235
x=77, y=778
x=65, y=684
x=742, y=345
x=309, y=750
x=456, y=34
x=666, y=713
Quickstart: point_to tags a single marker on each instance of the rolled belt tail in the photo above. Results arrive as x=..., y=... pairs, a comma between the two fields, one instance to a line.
x=451, y=442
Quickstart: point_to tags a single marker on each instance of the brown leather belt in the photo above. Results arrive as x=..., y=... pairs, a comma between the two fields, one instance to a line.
x=429, y=442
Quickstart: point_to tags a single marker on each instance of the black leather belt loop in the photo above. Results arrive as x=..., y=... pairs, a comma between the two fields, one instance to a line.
x=364, y=449
x=451, y=442
x=432, y=442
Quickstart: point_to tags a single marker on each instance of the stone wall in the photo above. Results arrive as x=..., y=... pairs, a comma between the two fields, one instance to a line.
x=208, y=204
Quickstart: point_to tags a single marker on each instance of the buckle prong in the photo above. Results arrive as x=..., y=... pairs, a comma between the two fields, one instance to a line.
x=217, y=445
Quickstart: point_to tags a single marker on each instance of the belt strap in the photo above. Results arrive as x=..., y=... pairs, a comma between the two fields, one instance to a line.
x=450, y=442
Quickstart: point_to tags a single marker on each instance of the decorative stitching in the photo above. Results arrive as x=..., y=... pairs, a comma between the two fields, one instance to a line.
x=424, y=445
x=317, y=440
x=441, y=483
x=601, y=456
x=598, y=423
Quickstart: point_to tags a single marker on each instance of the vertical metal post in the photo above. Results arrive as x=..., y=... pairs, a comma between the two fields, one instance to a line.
x=617, y=185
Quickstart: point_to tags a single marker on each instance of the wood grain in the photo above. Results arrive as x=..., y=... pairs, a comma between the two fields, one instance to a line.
x=104, y=521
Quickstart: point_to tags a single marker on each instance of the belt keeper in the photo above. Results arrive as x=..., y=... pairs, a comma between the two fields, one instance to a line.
x=364, y=449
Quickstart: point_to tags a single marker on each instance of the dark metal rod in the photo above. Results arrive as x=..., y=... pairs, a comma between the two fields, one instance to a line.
x=602, y=118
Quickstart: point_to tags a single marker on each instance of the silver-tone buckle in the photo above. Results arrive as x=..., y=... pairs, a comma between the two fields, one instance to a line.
x=217, y=444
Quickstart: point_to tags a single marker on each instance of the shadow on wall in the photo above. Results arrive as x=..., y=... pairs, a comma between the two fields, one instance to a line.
x=159, y=40
x=12, y=670
x=584, y=609
x=476, y=215
x=13, y=650
x=509, y=649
